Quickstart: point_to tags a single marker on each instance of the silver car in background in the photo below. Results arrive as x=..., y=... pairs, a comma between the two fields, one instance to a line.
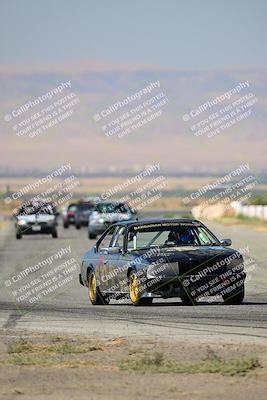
x=106, y=214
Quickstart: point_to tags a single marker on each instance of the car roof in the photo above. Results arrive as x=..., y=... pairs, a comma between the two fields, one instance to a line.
x=39, y=203
x=84, y=205
x=112, y=202
x=156, y=220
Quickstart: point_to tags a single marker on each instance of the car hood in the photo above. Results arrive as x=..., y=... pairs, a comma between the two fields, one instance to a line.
x=190, y=251
x=36, y=218
x=84, y=212
x=196, y=251
x=114, y=217
x=195, y=257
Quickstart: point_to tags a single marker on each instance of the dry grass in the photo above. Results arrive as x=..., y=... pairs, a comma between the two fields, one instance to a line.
x=255, y=223
x=59, y=351
x=157, y=363
x=60, y=346
x=66, y=352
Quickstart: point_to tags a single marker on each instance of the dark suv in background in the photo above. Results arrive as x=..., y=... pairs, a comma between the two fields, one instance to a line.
x=83, y=211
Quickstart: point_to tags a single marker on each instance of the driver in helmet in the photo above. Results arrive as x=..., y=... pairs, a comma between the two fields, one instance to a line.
x=179, y=237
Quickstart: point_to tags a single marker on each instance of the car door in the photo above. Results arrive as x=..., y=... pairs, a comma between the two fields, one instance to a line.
x=112, y=265
x=120, y=277
x=102, y=265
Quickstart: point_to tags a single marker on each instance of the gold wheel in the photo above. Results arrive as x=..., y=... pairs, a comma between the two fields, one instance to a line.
x=95, y=296
x=134, y=287
x=92, y=287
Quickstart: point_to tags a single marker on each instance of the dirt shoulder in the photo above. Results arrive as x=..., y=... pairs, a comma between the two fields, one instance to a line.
x=47, y=366
x=252, y=223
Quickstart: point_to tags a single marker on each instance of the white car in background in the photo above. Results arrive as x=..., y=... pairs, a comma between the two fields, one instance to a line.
x=106, y=214
x=36, y=218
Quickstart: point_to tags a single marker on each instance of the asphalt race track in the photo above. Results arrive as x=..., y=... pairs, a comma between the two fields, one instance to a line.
x=69, y=311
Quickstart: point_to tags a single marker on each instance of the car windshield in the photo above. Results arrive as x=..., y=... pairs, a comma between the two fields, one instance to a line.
x=177, y=234
x=72, y=207
x=108, y=208
x=85, y=207
x=36, y=209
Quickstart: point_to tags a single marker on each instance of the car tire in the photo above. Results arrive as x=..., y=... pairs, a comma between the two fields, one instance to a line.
x=146, y=301
x=54, y=234
x=77, y=226
x=134, y=291
x=18, y=235
x=236, y=297
x=188, y=300
x=92, y=235
x=65, y=225
x=95, y=296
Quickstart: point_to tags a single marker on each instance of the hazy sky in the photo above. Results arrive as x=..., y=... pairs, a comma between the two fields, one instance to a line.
x=197, y=49
x=191, y=34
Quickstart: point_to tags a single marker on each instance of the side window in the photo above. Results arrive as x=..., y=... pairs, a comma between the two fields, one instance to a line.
x=132, y=240
x=118, y=240
x=204, y=237
x=106, y=241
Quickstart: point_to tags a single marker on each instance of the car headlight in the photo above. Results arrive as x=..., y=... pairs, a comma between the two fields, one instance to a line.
x=95, y=219
x=237, y=265
x=21, y=222
x=158, y=270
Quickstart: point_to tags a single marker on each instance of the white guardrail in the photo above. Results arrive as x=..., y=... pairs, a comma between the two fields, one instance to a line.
x=250, y=210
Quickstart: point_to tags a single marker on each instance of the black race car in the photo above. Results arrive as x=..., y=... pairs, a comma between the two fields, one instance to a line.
x=162, y=258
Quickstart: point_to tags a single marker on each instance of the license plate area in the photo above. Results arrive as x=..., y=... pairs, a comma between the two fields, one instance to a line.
x=36, y=228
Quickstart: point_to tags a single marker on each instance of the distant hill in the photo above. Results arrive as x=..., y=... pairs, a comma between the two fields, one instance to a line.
x=166, y=139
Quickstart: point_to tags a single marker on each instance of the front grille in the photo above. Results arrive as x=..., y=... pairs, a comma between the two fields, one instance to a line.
x=209, y=266
x=37, y=223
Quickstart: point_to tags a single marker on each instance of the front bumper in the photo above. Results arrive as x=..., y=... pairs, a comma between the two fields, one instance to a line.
x=81, y=221
x=36, y=229
x=210, y=285
x=98, y=228
x=70, y=220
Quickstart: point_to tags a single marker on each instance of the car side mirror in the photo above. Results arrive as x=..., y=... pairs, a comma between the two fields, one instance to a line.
x=114, y=250
x=226, y=242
